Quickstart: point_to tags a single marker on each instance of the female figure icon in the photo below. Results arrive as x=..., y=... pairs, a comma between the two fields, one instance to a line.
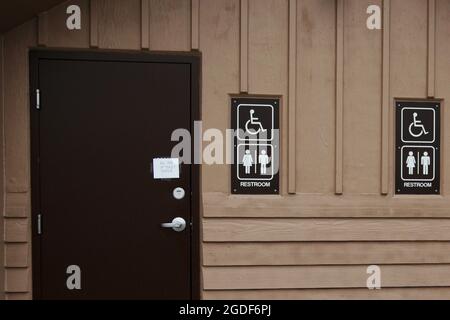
x=411, y=163
x=247, y=161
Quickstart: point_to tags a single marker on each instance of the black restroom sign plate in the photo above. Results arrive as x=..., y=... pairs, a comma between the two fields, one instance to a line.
x=418, y=147
x=255, y=169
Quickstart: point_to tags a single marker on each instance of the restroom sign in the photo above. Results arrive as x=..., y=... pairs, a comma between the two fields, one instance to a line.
x=418, y=147
x=255, y=169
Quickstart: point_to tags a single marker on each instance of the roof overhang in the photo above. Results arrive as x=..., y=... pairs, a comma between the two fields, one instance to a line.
x=16, y=12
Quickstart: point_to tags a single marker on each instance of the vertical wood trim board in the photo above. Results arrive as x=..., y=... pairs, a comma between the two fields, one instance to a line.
x=292, y=108
x=431, y=83
x=385, y=98
x=339, y=95
x=145, y=24
x=244, y=46
x=195, y=24
x=43, y=29
x=94, y=24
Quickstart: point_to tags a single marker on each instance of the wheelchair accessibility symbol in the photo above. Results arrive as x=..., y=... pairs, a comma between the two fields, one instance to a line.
x=415, y=125
x=256, y=122
x=418, y=125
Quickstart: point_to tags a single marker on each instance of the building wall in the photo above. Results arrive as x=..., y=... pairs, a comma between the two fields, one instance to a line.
x=337, y=212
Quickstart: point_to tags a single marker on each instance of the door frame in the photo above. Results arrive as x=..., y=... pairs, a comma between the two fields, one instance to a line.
x=192, y=58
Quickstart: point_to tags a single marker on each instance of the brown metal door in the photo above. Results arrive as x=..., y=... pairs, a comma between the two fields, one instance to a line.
x=101, y=123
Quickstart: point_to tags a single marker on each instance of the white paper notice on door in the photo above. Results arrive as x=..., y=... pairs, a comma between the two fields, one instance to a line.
x=166, y=168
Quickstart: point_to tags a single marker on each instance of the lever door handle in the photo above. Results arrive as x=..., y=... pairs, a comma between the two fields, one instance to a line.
x=178, y=225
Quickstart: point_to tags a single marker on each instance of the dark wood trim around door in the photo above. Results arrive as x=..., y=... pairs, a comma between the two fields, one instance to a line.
x=194, y=60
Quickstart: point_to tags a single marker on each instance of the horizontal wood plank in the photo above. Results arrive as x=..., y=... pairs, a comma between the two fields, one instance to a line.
x=17, y=280
x=323, y=277
x=17, y=205
x=16, y=230
x=287, y=230
x=332, y=294
x=324, y=253
x=16, y=255
x=221, y=205
x=19, y=296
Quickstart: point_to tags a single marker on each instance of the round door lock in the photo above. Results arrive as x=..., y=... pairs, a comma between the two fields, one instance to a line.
x=179, y=193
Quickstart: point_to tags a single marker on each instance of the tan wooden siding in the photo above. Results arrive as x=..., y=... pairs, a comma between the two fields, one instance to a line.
x=386, y=101
x=221, y=205
x=19, y=296
x=339, y=83
x=17, y=205
x=325, y=253
x=16, y=100
x=16, y=137
x=431, y=67
x=323, y=277
x=119, y=24
x=362, y=107
x=442, y=64
x=337, y=80
x=243, y=32
x=93, y=21
x=16, y=255
x=332, y=294
x=17, y=280
x=292, y=98
x=268, y=62
x=16, y=230
x=195, y=24
x=43, y=29
x=221, y=62
x=316, y=116
x=170, y=25
x=267, y=230
x=62, y=37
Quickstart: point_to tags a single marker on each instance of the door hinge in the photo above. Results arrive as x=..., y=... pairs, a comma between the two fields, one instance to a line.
x=39, y=224
x=38, y=99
